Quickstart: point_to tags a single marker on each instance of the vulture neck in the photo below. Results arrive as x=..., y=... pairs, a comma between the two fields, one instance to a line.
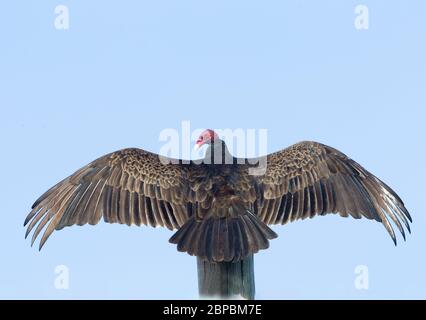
x=218, y=154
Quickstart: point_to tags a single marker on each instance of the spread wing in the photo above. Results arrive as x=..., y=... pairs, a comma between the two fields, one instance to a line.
x=131, y=186
x=310, y=179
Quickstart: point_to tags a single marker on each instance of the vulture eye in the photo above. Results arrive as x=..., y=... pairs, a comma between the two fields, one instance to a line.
x=201, y=138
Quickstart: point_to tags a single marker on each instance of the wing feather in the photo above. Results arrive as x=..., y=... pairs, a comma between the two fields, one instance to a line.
x=310, y=179
x=130, y=186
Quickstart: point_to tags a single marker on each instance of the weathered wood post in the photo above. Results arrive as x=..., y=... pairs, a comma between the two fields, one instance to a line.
x=226, y=280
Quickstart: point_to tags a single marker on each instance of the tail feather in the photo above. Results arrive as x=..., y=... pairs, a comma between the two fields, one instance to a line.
x=227, y=239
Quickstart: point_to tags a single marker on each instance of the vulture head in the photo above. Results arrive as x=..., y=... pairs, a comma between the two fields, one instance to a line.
x=207, y=137
x=217, y=151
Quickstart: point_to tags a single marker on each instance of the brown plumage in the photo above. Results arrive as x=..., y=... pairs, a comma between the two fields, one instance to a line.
x=220, y=211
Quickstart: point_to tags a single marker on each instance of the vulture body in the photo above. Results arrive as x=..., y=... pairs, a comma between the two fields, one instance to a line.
x=221, y=211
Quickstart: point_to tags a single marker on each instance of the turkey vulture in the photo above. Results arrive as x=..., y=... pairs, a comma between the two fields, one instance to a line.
x=221, y=212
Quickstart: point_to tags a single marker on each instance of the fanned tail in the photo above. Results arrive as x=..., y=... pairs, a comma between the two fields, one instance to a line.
x=227, y=239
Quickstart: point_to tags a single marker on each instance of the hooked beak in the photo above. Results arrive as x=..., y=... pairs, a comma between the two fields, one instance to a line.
x=197, y=146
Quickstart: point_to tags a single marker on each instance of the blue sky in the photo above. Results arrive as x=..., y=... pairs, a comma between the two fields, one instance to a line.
x=125, y=71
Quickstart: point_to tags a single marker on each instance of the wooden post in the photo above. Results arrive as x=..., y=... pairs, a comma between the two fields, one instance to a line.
x=226, y=280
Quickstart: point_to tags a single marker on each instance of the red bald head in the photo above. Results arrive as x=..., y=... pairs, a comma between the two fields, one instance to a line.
x=208, y=136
